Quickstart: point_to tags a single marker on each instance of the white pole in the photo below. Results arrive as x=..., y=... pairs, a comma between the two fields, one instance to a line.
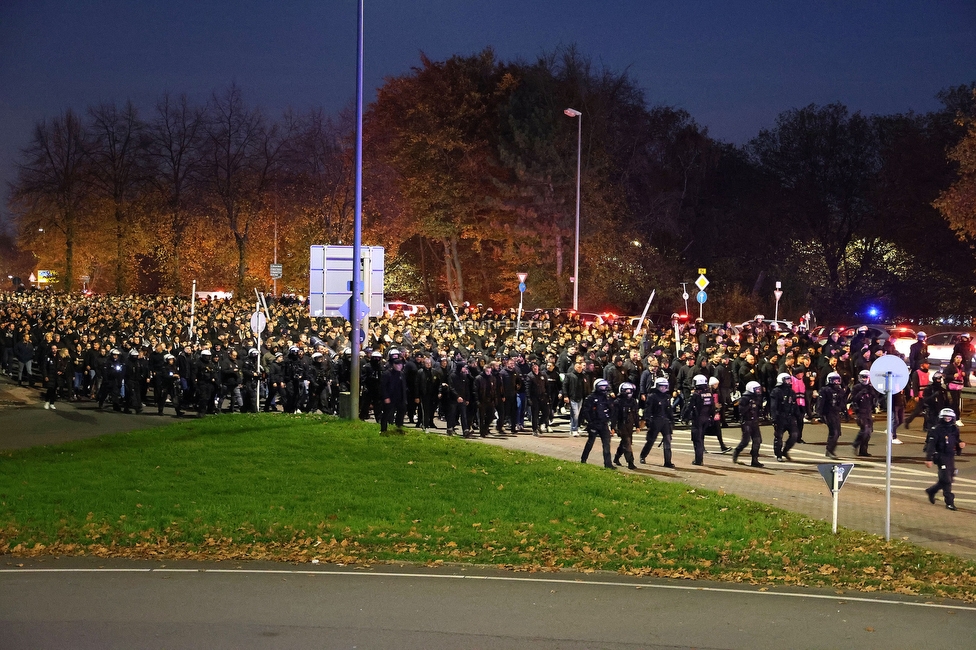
x=193, y=306
x=701, y=309
x=776, y=315
x=640, y=323
x=677, y=341
x=518, y=320
x=888, y=461
x=836, y=491
x=257, y=386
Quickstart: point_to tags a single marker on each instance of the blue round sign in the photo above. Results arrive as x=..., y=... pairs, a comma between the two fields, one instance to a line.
x=701, y=297
x=522, y=287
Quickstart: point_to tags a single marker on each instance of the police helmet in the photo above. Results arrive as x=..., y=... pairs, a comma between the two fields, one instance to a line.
x=700, y=380
x=167, y=357
x=395, y=356
x=115, y=351
x=937, y=375
x=376, y=354
x=627, y=388
x=316, y=355
x=753, y=387
x=205, y=352
x=921, y=336
x=783, y=378
x=833, y=378
x=602, y=386
x=253, y=352
x=713, y=381
x=133, y=352
x=864, y=376
x=347, y=350
x=947, y=413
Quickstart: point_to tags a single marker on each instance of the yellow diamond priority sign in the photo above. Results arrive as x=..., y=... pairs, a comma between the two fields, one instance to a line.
x=701, y=282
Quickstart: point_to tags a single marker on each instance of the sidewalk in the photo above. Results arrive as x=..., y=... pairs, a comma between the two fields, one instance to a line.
x=799, y=486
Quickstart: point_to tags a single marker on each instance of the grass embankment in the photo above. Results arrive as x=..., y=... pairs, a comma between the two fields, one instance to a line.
x=296, y=489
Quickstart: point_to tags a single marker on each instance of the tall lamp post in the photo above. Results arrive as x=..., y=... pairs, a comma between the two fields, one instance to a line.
x=572, y=112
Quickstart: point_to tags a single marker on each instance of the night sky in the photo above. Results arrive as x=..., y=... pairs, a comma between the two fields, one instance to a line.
x=732, y=65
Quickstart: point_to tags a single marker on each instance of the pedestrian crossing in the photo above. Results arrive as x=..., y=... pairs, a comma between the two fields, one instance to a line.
x=867, y=472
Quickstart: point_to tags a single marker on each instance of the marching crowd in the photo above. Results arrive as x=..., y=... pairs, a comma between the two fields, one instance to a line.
x=478, y=370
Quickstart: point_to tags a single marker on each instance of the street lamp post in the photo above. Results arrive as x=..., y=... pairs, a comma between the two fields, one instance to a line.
x=572, y=112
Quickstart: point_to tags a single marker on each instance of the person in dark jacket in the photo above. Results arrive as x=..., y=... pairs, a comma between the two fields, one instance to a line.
x=573, y=395
x=659, y=418
x=783, y=412
x=50, y=375
x=206, y=382
x=862, y=401
x=113, y=383
x=624, y=420
x=700, y=412
x=595, y=417
x=537, y=384
x=832, y=402
x=167, y=383
x=24, y=356
x=459, y=387
x=941, y=447
x=749, y=405
x=486, y=395
x=426, y=393
x=393, y=390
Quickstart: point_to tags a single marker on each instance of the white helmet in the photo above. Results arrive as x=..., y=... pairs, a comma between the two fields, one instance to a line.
x=753, y=387
x=627, y=388
x=947, y=413
x=662, y=384
x=602, y=385
x=833, y=378
x=921, y=336
x=713, y=381
x=205, y=352
x=864, y=376
x=783, y=377
x=700, y=380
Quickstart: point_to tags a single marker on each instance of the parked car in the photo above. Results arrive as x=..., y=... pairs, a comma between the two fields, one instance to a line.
x=404, y=308
x=941, y=346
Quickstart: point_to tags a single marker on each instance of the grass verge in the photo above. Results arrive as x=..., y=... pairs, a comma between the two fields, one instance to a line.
x=303, y=488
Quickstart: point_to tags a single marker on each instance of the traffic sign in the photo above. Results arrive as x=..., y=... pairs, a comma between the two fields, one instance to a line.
x=701, y=271
x=701, y=282
x=685, y=296
x=276, y=271
x=32, y=278
x=522, y=287
x=258, y=322
x=827, y=472
x=521, y=277
x=879, y=373
x=778, y=294
x=701, y=297
x=363, y=309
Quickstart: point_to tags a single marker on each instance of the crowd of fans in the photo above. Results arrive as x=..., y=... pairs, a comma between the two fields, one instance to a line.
x=471, y=368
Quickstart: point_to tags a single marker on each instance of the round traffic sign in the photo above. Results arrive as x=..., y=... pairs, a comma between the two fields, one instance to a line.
x=522, y=287
x=684, y=296
x=258, y=322
x=889, y=364
x=701, y=297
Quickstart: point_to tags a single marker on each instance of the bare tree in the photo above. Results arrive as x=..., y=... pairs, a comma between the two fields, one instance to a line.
x=118, y=158
x=241, y=153
x=50, y=186
x=175, y=151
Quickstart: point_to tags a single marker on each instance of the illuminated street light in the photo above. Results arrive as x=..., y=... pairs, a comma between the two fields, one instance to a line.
x=572, y=112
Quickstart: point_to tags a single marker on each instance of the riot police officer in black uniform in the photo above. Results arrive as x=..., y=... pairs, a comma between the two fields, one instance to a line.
x=659, y=418
x=595, y=417
x=700, y=411
x=783, y=412
x=941, y=447
x=624, y=419
x=831, y=404
x=749, y=422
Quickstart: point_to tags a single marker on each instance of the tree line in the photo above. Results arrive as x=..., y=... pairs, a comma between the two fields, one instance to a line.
x=470, y=177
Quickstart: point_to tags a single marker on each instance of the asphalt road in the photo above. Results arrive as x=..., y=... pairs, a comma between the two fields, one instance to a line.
x=72, y=603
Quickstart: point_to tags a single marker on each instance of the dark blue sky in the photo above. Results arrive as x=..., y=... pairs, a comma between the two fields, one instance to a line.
x=733, y=65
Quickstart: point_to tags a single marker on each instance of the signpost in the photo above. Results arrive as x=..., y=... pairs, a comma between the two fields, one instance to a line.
x=778, y=292
x=835, y=475
x=684, y=294
x=518, y=320
x=275, y=271
x=889, y=374
x=701, y=283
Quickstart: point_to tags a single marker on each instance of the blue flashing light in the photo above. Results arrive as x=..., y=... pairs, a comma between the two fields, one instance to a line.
x=873, y=312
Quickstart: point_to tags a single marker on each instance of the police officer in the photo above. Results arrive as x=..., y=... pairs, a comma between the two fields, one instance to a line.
x=783, y=410
x=251, y=381
x=206, y=383
x=862, y=400
x=830, y=405
x=624, y=418
x=168, y=384
x=659, y=418
x=114, y=381
x=486, y=395
x=749, y=404
x=941, y=447
x=595, y=416
x=393, y=390
x=700, y=411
